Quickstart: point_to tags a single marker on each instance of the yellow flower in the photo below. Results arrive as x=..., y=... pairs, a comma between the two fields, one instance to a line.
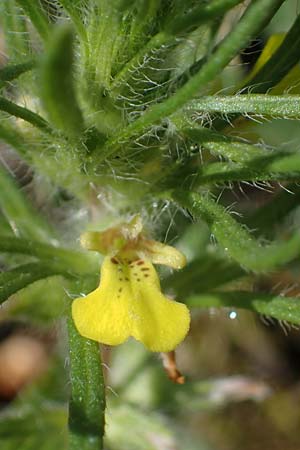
x=128, y=301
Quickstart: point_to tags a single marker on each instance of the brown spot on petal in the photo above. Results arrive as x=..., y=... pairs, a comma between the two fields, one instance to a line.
x=145, y=269
x=139, y=263
x=114, y=261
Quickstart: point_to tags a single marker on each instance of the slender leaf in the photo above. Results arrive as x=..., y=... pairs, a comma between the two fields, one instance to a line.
x=25, y=114
x=275, y=167
x=225, y=146
x=283, y=106
x=13, y=71
x=236, y=241
x=279, y=307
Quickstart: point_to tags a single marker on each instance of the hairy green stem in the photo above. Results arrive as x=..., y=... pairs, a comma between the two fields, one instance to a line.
x=25, y=114
x=87, y=402
x=283, y=106
x=13, y=71
x=276, y=166
x=236, y=241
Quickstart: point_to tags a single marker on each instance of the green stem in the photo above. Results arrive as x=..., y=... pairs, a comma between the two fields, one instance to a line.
x=87, y=402
x=255, y=18
x=25, y=114
x=285, y=106
x=220, y=144
x=236, y=241
x=275, y=167
x=13, y=71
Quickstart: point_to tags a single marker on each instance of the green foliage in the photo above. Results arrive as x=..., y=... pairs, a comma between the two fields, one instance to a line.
x=142, y=118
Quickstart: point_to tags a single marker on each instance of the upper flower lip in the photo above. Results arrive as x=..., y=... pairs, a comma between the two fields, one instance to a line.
x=128, y=241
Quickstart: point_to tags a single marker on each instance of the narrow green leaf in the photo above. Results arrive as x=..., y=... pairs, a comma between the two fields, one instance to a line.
x=13, y=71
x=236, y=241
x=225, y=146
x=274, y=167
x=13, y=280
x=283, y=106
x=57, y=84
x=279, y=307
x=25, y=114
x=87, y=402
x=69, y=260
x=35, y=12
x=21, y=216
